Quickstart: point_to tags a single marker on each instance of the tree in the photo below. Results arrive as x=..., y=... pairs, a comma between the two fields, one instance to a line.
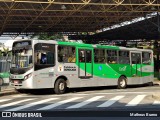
x=5, y=51
x=49, y=36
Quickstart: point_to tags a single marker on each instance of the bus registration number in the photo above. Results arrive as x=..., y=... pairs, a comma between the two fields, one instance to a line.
x=16, y=82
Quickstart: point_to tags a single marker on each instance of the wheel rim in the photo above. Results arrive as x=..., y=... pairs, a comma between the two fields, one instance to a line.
x=122, y=83
x=61, y=86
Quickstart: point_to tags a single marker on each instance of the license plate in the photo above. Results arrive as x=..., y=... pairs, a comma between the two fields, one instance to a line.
x=16, y=81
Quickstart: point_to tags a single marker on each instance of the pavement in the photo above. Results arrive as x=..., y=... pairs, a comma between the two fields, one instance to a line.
x=9, y=90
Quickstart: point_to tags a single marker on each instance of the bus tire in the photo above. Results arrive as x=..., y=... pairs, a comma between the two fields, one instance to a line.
x=150, y=84
x=122, y=82
x=1, y=81
x=60, y=86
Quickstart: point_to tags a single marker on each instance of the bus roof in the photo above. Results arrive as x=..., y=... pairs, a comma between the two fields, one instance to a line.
x=86, y=45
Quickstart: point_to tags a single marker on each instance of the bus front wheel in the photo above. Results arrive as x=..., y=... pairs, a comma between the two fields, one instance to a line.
x=122, y=82
x=60, y=86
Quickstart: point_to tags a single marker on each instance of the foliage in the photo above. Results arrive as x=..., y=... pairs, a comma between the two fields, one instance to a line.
x=4, y=52
x=49, y=36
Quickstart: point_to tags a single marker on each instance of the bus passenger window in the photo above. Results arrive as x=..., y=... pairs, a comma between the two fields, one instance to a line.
x=66, y=54
x=99, y=56
x=146, y=58
x=124, y=57
x=112, y=56
x=72, y=57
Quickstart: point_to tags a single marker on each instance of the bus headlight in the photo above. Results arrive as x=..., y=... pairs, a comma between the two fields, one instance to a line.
x=28, y=76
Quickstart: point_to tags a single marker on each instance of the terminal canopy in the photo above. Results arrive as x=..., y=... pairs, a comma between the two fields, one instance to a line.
x=72, y=16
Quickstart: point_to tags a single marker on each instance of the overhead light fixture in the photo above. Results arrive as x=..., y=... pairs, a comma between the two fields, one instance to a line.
x=63, y=7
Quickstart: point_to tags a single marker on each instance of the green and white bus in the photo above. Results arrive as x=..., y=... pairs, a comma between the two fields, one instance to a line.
x=4, y=71
x=38, y=64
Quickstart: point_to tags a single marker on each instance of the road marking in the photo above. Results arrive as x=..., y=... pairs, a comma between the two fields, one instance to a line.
x=77, y=94
x=14, y=103
x=136, y=100
x=124, y=93
x=23, y=95
x=156, y=102
x=69, y=94
x=58, y=104
x=85, y=102
x=111, y=101
x=31, y=104
x=3, y=100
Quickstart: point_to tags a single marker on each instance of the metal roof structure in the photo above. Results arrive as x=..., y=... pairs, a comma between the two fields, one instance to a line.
x=148, y=29
x=34, y=16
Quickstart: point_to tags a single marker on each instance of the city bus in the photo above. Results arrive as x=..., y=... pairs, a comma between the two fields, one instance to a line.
x=40, y=64
x=4, y=71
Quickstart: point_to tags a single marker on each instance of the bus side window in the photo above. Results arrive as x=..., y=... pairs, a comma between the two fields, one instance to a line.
x=99, y=56
x=66, y=54
x=123, y=57
x=112, y=56
x=72, y=56
x=146, y=59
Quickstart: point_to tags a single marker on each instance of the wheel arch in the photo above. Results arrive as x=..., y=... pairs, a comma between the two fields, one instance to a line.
x=63, y=77
x=124, y=76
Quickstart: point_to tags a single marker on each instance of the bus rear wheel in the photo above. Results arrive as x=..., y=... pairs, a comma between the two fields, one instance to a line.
x=1, y=81
x=60, y=86
x=122, y=82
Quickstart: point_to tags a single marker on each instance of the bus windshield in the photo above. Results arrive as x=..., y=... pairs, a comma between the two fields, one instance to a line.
x=22, y=58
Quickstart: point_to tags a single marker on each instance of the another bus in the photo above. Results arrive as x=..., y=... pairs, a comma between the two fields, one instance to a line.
x=38, y=64
x=4, y=70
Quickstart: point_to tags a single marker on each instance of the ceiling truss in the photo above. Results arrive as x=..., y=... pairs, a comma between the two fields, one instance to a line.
x=29, y=16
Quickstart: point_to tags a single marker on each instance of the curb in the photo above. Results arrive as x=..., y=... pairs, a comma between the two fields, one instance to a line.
x=8, y=92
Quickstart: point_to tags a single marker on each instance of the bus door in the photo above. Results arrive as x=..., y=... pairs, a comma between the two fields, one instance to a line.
x=136, y=62
x=85, y=63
